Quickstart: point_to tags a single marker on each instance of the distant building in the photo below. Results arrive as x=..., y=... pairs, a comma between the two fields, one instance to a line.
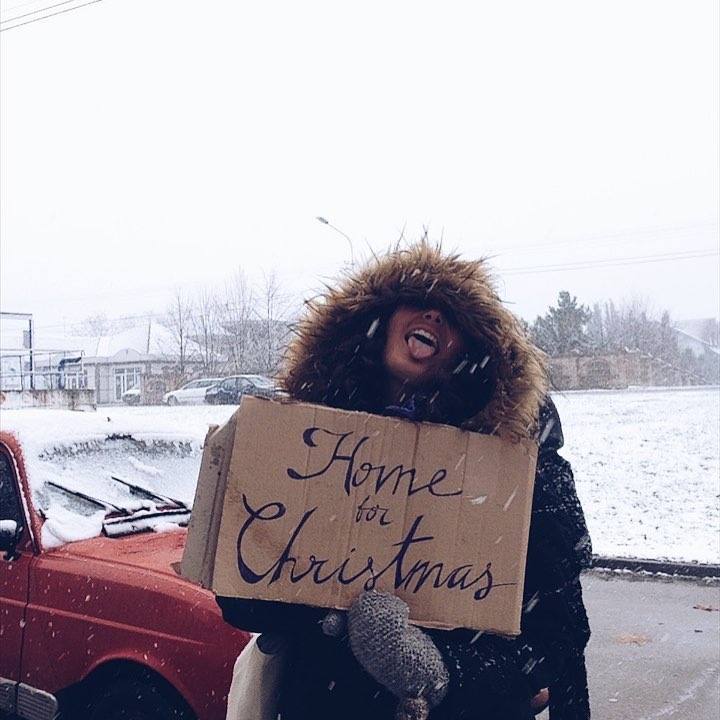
x=698, y=336
x=142, y=355
x=706, y=330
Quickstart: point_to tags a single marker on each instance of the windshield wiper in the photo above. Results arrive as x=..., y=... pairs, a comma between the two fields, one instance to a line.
x=121, y=520
x=164, y=509
x=145, y=493
x=104, y=504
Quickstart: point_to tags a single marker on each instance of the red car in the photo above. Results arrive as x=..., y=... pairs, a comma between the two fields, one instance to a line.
x=103, y=628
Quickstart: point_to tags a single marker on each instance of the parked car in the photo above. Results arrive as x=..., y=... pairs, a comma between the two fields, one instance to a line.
x=103, y=628
x=232, y=388
x=191, y=392
x=131, y=396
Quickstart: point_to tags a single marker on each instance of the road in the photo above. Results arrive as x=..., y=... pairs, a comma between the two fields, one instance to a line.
x=655, y=649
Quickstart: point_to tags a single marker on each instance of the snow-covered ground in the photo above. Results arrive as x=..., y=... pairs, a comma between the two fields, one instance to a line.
x=647, y=468
x=646, y=462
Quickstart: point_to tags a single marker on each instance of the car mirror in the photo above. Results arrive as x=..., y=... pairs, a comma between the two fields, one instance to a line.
x=9, y=536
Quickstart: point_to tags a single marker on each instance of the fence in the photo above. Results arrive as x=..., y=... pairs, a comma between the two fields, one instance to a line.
x=41, y=370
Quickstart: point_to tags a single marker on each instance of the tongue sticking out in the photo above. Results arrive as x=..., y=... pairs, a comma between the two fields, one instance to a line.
x=420, y=348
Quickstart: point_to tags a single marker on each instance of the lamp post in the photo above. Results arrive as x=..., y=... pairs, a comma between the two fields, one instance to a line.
x=324, y=221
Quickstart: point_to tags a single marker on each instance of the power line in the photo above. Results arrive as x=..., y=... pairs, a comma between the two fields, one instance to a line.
x=35, y=12
x=531, y=269
x=609, y=262
x=109, y=320
x=45, y=17
x=612, y=238
x=21, y=5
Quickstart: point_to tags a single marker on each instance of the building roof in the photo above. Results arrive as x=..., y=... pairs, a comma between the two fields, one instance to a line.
x=145, y=340
x=696, y=342
x=702, y=329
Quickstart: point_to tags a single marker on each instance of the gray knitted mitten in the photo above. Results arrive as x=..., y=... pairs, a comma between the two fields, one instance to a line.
x=398, y=655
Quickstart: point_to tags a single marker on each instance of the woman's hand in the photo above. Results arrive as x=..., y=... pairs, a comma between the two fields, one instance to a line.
x=398, y=655
x=540, y=701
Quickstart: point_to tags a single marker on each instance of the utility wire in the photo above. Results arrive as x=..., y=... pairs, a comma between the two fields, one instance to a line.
x=45, y=17
x=532, y=269
x=611, y=238
x=17, y=6
x=609, y=262
x=35, y=12
x=109, y=320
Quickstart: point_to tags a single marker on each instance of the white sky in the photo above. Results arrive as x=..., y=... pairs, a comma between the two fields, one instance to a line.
x=151, y=145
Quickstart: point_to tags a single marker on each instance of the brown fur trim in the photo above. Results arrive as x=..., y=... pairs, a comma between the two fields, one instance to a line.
x=331, y=359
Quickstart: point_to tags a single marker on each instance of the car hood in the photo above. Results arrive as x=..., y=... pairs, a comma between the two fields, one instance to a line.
x=153, y=551
x=124, y=594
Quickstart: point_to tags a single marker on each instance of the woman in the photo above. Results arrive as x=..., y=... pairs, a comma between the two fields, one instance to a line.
x=423, y=335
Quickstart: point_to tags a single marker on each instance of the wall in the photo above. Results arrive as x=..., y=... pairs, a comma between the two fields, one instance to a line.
x=69, y=399
x=579, y=372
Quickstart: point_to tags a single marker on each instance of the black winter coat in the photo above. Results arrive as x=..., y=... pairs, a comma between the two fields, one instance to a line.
x=499, y=387
x=492, y=678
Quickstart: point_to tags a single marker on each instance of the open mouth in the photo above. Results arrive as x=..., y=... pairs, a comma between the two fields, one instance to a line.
x=422, y=344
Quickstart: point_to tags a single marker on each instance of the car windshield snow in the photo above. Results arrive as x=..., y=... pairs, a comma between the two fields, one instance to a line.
x=114, y=486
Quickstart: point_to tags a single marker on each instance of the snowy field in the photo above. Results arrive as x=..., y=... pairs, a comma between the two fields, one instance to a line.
x=646, y=462
x=647, y=468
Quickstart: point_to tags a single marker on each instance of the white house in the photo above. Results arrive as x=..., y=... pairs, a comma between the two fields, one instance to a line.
x=141, y=355
x=699, y=336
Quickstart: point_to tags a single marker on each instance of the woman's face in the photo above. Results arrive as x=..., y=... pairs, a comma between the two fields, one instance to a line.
x=420, y=343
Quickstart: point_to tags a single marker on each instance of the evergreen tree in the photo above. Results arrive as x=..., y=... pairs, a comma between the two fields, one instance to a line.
x=597, y=335
x=563, y=329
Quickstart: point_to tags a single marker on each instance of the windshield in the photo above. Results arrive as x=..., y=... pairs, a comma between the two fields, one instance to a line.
x=261, y=382
x=207, y=383
x=83, y=486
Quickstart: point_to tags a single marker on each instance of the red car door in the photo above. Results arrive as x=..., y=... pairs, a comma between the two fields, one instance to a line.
x=14, y=571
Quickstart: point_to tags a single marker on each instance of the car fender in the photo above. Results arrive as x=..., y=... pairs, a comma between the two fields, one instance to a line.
x=200, y=670
x=187, y=685
x=86, y=612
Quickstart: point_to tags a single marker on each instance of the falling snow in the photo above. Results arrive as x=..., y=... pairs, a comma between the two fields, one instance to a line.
x=373, y=327
x=646, y=463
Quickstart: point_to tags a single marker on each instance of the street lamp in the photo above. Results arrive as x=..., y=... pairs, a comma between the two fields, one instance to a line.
x=324, y=221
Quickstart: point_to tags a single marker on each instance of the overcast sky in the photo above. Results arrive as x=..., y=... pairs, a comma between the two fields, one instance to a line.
x=149, y=145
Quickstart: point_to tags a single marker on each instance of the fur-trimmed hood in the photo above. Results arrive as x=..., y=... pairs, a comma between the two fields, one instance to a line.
x=335, y=357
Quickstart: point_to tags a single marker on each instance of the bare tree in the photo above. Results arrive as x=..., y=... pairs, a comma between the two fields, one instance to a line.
x=633, y=325
x=178, y=319
x=96, y=326
x=272, y=310
x=236, y=319
x=206, y=330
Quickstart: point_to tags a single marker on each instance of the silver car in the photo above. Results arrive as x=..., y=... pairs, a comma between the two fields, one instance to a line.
x=190, y=393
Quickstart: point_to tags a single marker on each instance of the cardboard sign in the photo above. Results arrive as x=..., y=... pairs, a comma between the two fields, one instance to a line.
x=305, y=504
